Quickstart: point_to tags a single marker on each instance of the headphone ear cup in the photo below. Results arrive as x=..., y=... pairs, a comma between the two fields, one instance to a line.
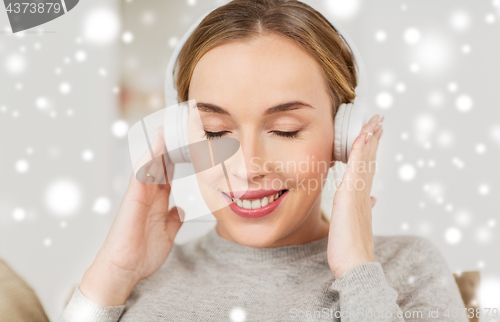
x=348, y=124
x=340, y=127
x=176, y=132
x=183, y=129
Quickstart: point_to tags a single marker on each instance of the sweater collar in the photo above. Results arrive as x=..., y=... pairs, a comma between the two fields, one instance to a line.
x=230, y=252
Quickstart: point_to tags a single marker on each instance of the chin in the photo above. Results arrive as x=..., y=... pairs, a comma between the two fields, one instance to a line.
x=253, y=235
x=252, y=232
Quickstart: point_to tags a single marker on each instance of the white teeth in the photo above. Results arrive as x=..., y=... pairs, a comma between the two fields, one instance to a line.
x=247, y=204
x=255, y=203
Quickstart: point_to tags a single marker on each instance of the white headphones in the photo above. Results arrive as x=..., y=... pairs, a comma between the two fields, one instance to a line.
x=349, y=119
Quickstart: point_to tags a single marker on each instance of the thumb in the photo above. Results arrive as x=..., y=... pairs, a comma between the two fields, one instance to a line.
x=175, y=219
x=374, y=201
x=181, y=213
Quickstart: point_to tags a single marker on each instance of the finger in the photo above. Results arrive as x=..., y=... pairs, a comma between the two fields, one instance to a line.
x=377, y=128
x=374, y=142
x=374, y=201
x=363, y=138
x=379, y=134
x=365, y=146
x=167, y=164
x=369, y=128
x=373, y=119
x=153, y=171
x=372, y=145
x=158, y=167
x=143, y=165
x=175, y=219
x=372, y=123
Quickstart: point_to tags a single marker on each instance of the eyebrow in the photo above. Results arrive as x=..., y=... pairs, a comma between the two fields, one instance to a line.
x=289, y=106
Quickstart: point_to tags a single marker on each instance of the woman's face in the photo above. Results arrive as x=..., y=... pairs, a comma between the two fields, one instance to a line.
x=237, y=88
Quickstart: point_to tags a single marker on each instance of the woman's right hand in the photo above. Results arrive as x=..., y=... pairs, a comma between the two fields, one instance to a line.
x=141, y=236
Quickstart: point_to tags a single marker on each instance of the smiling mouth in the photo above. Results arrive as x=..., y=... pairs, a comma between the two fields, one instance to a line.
x=257, y=203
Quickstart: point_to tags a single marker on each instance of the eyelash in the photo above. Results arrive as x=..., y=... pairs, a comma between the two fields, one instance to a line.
x=216, y=135
x=290, y=135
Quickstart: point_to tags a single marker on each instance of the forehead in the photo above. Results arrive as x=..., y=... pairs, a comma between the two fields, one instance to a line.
x=260, y=72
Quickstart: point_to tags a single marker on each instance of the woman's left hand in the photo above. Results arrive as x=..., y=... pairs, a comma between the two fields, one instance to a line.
x=350, y=240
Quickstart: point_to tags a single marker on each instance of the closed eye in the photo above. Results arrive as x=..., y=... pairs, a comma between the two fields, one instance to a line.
x=291, y=135
x=214, y=135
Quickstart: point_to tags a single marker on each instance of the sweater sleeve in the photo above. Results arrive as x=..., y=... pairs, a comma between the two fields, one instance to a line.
x=81, y=309
x=428, y=290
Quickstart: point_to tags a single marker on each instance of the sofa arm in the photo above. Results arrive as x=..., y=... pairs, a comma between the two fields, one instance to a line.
x=18, y=301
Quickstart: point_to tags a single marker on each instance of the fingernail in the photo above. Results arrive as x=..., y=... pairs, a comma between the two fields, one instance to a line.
x=181, y=214
x=368, y=136
x=381, y=118
x=378, y=127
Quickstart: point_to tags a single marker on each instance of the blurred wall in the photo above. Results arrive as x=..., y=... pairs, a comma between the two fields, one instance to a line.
x=59, y=84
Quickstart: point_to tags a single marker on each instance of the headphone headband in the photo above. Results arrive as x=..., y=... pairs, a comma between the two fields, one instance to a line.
x=171, y=93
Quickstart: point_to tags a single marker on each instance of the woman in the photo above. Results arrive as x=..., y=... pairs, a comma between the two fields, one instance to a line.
x=271, y=74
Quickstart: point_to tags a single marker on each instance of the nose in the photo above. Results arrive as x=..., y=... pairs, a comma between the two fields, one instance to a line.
x=248, y=165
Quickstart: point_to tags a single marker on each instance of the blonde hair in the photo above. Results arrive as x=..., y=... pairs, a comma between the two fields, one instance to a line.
x=243, y=19
x=325, y=218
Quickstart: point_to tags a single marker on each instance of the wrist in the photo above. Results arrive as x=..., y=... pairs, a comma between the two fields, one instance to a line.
x=107, y=286
x=338, y=271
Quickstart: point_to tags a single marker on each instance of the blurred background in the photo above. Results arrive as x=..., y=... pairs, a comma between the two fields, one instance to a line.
x=71, y=88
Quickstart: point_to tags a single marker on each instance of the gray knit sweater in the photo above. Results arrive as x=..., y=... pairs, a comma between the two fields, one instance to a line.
x=213, y=279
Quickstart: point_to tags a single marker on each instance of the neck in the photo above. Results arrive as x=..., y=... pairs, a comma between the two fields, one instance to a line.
x=313, y=227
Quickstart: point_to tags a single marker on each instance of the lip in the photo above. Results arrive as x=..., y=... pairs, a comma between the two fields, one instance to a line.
x=252, y=194
x=259, y=212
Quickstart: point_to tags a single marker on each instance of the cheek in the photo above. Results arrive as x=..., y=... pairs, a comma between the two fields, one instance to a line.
x=307, y=159
x=210, y=182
